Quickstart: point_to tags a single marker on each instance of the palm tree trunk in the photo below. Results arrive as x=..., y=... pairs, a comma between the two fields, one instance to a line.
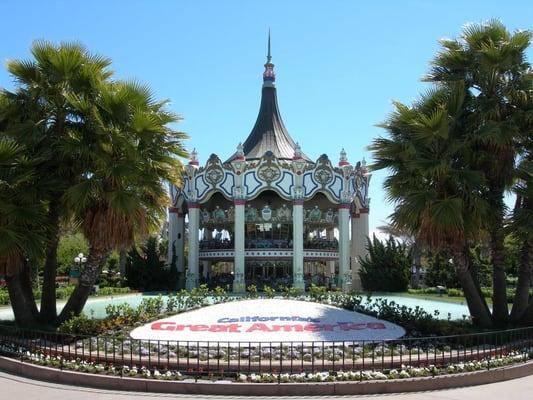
x=416, y=265
x=88, y=277
x=21, y=297
x=525, y=268
x=500, y=309
x=477, y=305
x=48, y=312
x=525, y=272
x=123, y=258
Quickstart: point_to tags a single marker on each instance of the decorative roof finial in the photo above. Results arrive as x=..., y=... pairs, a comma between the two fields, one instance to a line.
x=269, y=55
x=297, y=152
x=364, y=168
x=240, y=152
x=343, y=160
x=269, y=76
x=194, y=158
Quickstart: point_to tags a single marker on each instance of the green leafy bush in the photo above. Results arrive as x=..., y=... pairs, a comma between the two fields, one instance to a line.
x=70, y=245
x=146, y=269
x=318, y=293
x=269, y=292
x=386, y=268
x=82, y=325
x=4, y=297
x=251, y=291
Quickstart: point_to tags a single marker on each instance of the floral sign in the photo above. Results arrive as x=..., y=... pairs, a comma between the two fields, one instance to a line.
x=269, y=320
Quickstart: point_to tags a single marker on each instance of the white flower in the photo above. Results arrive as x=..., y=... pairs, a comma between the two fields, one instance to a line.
x=404, y=374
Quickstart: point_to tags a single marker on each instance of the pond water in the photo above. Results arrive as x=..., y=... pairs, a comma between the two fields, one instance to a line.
x=95, y=307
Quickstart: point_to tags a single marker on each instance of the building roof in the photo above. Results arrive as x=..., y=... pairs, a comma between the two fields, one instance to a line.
x=269, y=133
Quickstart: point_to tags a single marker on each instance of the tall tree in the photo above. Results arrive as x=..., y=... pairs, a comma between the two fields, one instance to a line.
x=101, y=151
x=491, y=63
x=50, y=117
x=124, y=196
x=22, y=227
x=436, y=194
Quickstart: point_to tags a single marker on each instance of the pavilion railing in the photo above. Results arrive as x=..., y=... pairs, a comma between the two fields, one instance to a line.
x=228, y=358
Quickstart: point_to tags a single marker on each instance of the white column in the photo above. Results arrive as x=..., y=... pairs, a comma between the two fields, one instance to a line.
x=194, y=225
x=298, y=244
x=359, y=243
x=239, y=285
x=344, y=247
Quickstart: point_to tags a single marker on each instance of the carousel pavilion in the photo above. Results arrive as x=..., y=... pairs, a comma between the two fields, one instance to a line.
x=269, y=215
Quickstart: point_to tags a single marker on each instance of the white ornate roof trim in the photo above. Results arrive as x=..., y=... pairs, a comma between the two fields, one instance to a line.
x=338, y=184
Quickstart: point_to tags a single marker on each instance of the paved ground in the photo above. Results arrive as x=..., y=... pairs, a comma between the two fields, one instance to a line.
x=14, y=387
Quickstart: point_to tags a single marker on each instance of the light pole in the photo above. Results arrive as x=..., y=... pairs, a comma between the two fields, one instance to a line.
x=79, y=260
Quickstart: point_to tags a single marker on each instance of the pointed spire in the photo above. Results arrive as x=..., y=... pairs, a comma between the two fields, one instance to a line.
x=269, y=55
x=269, y=76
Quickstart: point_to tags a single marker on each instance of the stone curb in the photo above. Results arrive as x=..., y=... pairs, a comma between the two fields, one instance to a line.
x=38, y=372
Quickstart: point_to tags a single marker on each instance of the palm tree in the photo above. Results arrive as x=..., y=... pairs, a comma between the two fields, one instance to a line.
x=435, y=193
x=51, y=112
x=522, y=227
x=22, y=222
x=124, y=196
x=491, y=62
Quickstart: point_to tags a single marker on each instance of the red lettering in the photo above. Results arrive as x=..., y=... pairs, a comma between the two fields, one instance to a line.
x=376, y=325
x=287, y=328
x=313, y=327
x=163, y=326
x=233, y=328
x=329, y=327
x=258, y=327
x=218, y=328
x=199, y=328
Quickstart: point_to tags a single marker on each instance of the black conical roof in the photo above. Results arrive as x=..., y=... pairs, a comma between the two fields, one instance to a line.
x=269, y=133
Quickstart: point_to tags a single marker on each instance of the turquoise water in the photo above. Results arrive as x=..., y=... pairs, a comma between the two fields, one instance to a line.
x=96, y=306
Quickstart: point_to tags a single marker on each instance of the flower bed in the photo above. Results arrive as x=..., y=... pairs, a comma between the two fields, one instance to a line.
x=405, y=371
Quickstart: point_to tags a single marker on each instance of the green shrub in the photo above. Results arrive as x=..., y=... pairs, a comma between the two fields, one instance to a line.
x=81, y=325
x=109, y=291
x=146, y=269
x=386, y=268
x=70, y=245
x=269, y=292
x=318, y=293
x=292, y=292
x=4, y=297
x=455, y=292
x=251, y=291
x=440, y=271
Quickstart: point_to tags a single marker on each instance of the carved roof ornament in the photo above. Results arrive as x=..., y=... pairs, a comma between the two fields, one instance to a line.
x=364, y=168
x=194, y=158
x=240, y=152
x=297, y=152
x=239, y=161
x=343, y=159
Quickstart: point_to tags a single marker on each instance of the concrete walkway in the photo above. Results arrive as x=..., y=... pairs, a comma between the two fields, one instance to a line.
x=14, y=387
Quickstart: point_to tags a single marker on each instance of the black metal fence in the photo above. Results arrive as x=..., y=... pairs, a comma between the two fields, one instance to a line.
x=224, y=358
